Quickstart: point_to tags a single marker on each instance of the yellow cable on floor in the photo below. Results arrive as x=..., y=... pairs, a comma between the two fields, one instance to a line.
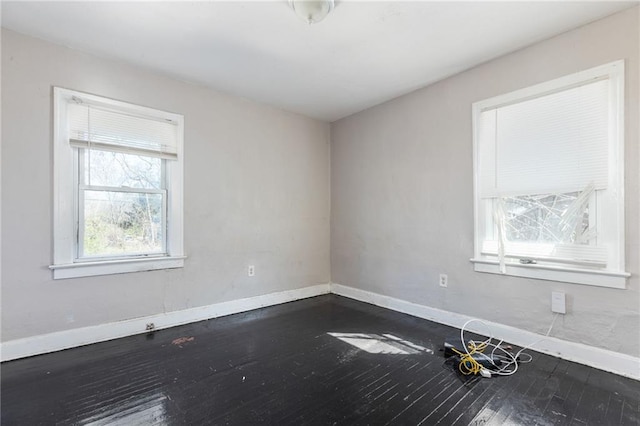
x=467, y=364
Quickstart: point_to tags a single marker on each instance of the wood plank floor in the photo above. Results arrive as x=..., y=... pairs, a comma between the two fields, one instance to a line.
x=279, y=366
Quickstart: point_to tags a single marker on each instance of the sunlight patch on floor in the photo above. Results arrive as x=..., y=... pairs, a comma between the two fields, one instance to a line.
x=381, y=344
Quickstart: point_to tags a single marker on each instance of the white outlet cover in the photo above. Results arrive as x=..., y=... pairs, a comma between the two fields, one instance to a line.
x=558, y=302
x=443, y=280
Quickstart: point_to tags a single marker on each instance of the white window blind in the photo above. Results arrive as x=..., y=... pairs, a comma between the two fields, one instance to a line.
x=554, y=143
x=96, y=127
x=573, y=254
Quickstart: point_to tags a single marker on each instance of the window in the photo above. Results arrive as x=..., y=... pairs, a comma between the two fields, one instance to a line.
x=548, y=169
x=117, y=187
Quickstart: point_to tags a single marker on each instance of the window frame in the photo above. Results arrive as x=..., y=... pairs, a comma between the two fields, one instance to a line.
x=84, y=186
x=614, y=275
x=67, y=262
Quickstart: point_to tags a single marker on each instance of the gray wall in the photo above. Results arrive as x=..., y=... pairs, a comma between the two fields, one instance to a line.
x=256, y=192
x=402, y=195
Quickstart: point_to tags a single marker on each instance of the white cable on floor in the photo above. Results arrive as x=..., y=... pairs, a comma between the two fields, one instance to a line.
x=468, y=365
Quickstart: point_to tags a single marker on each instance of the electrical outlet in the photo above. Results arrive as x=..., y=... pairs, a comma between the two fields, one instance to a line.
x=443, y=280
x=252, y=270
x=558, y=302
x=151, y=326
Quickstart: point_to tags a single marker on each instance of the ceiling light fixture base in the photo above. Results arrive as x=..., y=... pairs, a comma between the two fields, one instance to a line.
x=312, y=11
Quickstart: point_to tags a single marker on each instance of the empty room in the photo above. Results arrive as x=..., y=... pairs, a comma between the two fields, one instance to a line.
x=320, y=212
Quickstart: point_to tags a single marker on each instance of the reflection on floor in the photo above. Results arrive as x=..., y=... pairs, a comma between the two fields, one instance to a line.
x=376, y=344
x=321, y=361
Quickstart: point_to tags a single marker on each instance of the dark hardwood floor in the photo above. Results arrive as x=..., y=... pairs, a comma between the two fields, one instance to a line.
x=279, y=366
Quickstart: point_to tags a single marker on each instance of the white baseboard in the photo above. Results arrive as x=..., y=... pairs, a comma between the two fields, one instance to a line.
x=614, y=362
x=624, y=365
x=29, y=346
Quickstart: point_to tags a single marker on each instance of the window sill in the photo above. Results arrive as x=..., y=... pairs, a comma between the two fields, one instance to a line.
x=120, y=266
x=556, y=273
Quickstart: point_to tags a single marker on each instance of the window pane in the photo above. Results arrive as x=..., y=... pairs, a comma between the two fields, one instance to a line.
x=546, y=218
x=104, y=168
x=122, y=223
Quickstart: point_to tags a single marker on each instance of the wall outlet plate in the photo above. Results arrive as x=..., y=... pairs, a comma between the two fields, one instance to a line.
x=558, y=302
x=443, y=280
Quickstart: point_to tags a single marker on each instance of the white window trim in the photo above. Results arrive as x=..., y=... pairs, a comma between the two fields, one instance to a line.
x=614, y=276
x=65, y=183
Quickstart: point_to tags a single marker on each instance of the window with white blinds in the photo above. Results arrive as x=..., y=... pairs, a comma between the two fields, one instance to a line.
x=118, y=172
x=548, y=163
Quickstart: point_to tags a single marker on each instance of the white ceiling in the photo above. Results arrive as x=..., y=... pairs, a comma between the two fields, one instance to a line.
x=362, y=54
